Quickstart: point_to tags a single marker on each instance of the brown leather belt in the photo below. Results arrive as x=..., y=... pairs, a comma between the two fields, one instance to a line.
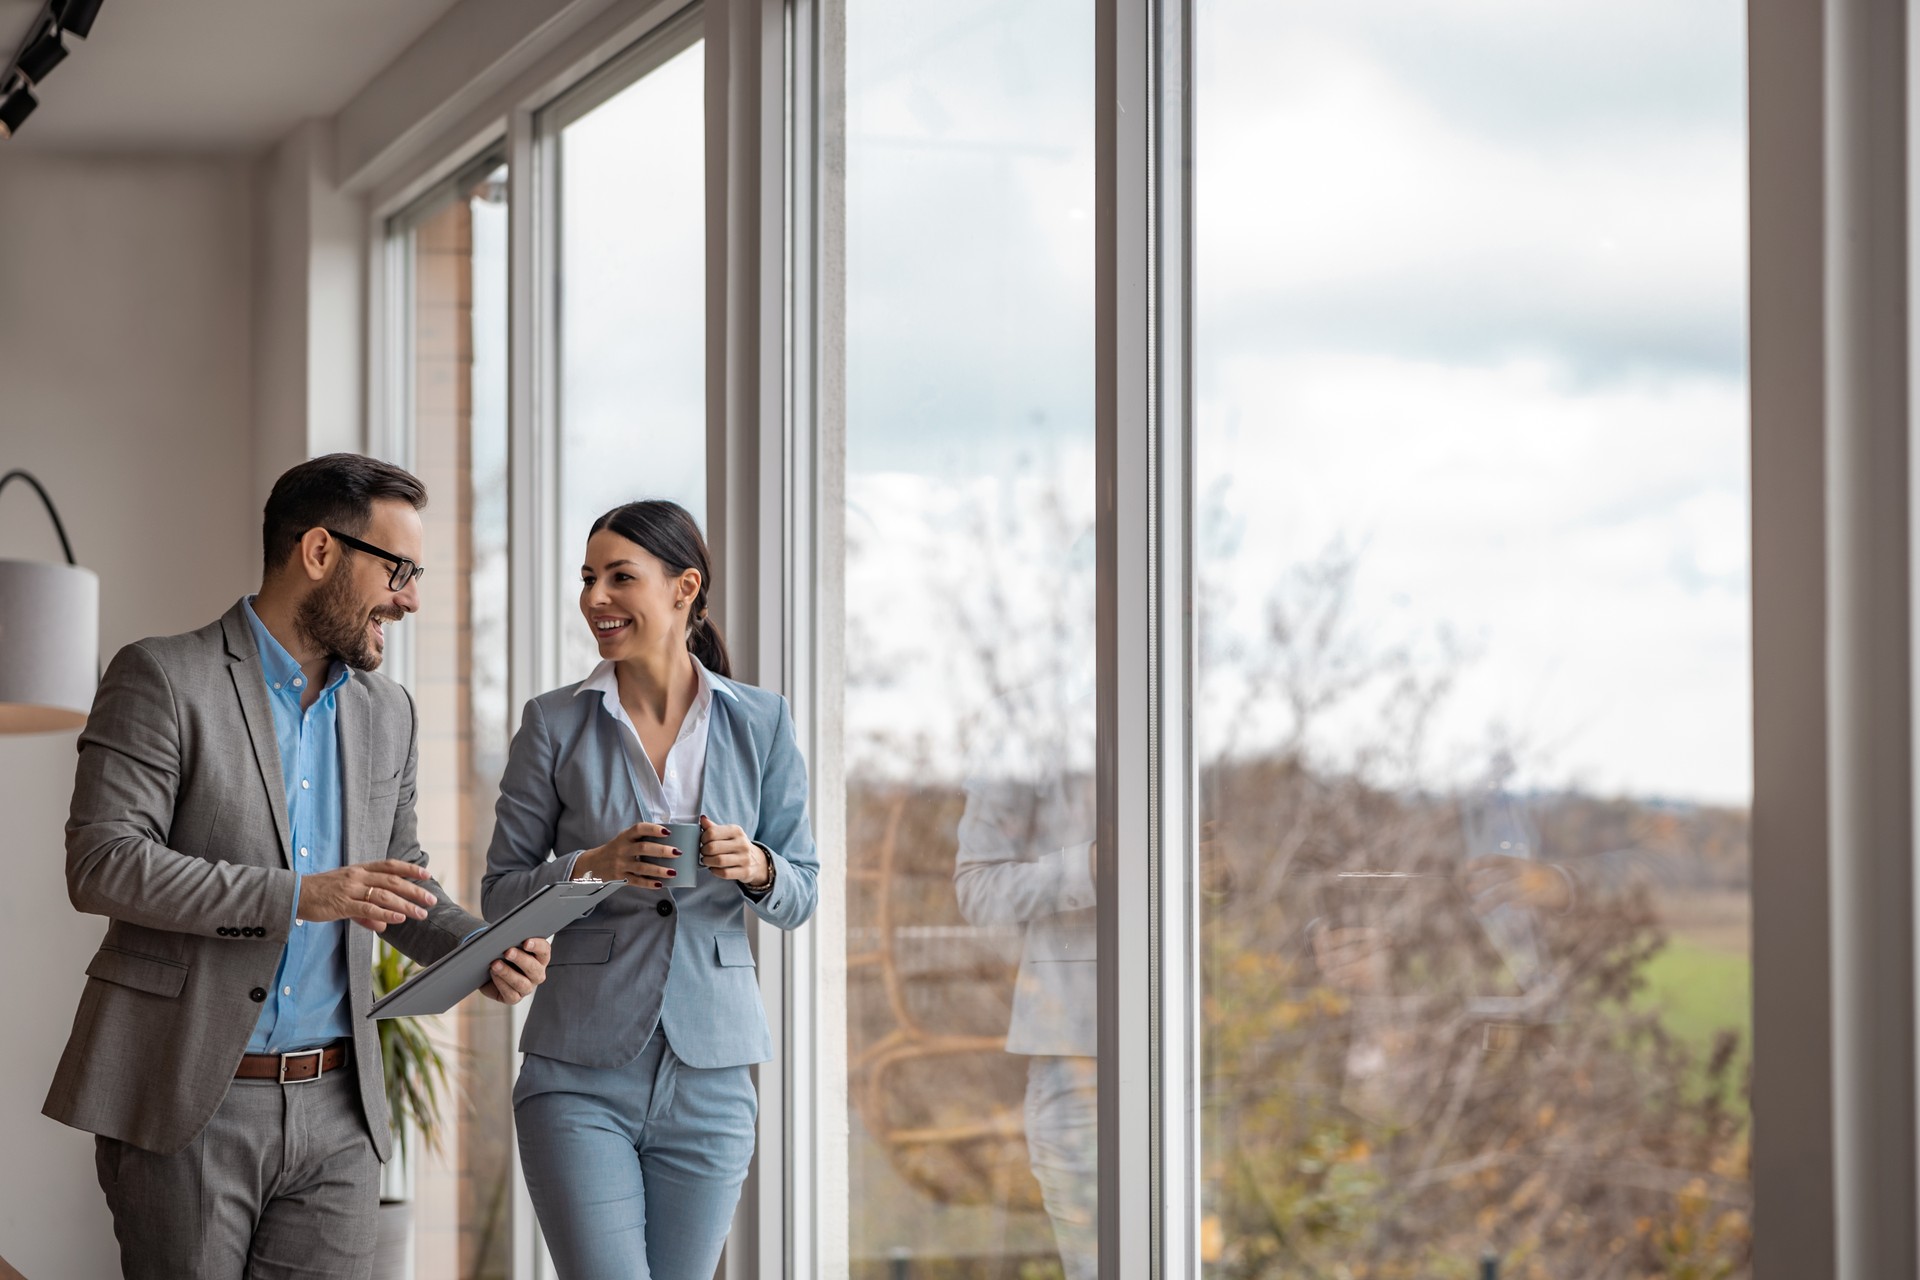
x=297, y=1067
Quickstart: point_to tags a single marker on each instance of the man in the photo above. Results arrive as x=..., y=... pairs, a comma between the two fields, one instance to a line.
x=243, y=814
x=1026, y=856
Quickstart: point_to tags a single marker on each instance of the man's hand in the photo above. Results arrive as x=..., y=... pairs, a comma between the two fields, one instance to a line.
x=516, y=974
x=1355, y=959
x=1496, y=880
x=371, y=894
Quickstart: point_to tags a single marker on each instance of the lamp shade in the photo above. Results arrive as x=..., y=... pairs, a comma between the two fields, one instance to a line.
x=49, y=645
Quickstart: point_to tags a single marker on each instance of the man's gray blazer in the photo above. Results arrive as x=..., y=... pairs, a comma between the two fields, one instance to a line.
x=1022, y=859
x=178, y=835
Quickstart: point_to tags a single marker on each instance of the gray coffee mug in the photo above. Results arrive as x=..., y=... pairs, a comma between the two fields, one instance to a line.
x=684, y=836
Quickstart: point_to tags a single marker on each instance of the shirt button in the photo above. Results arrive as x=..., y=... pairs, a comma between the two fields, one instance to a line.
x=276, y=686
x=297, y=682
x=665, y=907
x=303, y=853
x=298, y=923
x=286, y=991
x=303, y=784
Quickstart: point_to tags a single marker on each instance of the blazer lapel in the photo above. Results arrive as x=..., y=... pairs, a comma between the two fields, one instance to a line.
x=615, y=739
x=353, y=721
x=729, y=746
x=251, y=688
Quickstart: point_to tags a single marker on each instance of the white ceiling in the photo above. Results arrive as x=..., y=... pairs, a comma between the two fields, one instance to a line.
x=210, y=75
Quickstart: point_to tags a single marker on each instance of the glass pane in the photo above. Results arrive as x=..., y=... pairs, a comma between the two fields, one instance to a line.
x=459, y=376
x=968, y=639
x=1473, y=709
x=632, y=313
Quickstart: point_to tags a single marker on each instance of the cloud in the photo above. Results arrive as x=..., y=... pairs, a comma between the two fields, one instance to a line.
x=1357, y=189
x=1470, y=301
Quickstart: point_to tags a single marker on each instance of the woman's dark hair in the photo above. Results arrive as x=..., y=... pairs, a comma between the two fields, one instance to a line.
x=335, y=490
x=669, y=534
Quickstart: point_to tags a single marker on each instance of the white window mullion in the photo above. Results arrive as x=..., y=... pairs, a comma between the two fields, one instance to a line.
x=532, y=644
x=1130, y=845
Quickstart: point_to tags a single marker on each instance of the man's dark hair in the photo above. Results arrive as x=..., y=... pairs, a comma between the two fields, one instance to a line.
x=333, y=491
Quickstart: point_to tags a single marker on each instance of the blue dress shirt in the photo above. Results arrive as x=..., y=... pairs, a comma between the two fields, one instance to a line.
x=307, y=1005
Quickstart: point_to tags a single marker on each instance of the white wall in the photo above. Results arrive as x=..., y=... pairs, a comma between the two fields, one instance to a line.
x=125, y=386
x=308, y=300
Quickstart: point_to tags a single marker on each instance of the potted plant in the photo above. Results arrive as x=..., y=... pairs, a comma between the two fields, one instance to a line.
x=415, y=1074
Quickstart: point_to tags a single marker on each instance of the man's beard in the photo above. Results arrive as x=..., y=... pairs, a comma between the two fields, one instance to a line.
x=336, y=622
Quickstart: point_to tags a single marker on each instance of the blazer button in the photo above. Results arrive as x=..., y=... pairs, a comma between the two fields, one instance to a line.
x=224, y=932
x=257, y=995
x=665, y=907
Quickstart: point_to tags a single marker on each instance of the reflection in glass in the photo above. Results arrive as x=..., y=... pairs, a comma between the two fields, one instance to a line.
x=632, y=312
x=968, y=639
x=1471, y=478
x=457, y=253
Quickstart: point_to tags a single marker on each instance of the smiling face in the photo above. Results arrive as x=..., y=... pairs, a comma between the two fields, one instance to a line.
x=346, y=612
x=633, y=602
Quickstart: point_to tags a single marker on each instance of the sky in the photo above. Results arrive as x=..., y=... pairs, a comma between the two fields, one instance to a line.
x=1470, y=301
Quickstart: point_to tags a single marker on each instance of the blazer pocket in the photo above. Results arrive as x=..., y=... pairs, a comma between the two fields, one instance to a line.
x=142, y=973
x=1063, y=943
x=732, y=949
x=582, y=946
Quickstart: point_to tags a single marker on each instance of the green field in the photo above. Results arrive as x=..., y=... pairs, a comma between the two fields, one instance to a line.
x=1700, y=991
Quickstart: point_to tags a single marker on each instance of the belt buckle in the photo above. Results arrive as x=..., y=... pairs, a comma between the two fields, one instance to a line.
x=318, y=1069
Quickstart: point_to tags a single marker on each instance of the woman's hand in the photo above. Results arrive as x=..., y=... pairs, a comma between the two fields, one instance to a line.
x=625, y=858
x=726, y=853
x=517, y=973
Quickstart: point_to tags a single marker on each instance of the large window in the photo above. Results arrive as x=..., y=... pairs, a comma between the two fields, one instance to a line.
x=968, y=640
x=452, y=252
x=629, y=150
x=1429, y=415
x=1473, y=721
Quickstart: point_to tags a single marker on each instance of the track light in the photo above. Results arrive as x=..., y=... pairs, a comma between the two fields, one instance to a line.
x=76, y=16
x=14, y=109
x=42, y=56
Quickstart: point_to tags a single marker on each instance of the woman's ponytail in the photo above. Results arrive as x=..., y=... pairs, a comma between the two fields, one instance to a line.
x=669, y=533
x=708, y=645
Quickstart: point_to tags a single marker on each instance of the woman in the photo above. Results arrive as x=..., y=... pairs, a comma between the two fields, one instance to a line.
x=634, y=1105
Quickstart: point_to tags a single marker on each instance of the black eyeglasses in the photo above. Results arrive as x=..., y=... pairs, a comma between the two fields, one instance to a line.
x=404, y=570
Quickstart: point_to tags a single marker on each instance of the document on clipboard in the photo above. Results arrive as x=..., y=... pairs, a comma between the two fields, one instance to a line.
x=463, y=970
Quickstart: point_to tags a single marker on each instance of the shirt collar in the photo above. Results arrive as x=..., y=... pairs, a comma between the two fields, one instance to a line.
x=277, y=665
x=606, y=683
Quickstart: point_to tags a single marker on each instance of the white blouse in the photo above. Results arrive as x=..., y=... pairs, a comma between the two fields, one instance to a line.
x=672, y=796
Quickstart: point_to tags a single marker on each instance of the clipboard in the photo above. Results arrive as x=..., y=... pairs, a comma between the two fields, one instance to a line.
x=465, y=969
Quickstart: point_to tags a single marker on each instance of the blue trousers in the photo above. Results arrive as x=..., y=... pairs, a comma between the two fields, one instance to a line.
x=634, y=1171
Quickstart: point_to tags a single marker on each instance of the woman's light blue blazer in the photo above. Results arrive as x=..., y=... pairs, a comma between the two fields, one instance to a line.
x=626, y=967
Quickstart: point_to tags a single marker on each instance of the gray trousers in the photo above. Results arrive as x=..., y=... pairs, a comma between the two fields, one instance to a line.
x=1063, y=1146
x=283, y=1181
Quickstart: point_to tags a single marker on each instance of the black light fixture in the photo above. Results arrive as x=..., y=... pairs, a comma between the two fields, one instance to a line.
x=42, y=55
x=76, y=16
x=44, y=50
x=14, y=109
